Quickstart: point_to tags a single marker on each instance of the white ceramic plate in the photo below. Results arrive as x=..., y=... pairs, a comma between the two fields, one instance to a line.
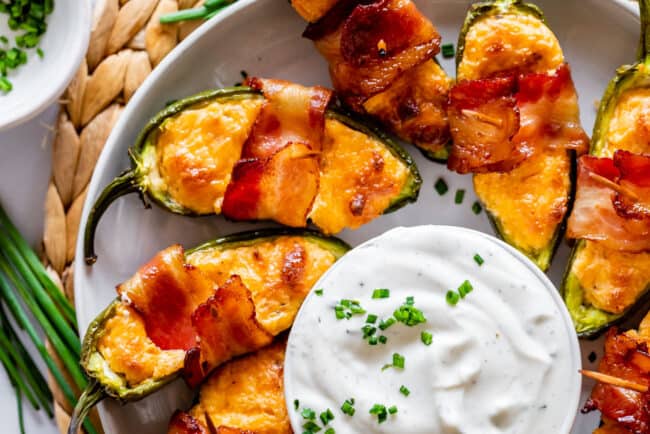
x=263, y=38
x=40, y=82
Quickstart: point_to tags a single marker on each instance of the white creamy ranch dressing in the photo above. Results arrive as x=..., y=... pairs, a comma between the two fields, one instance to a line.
x=503, y=360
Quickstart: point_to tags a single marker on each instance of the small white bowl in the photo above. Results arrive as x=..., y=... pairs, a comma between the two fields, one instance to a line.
x=327, y=361
x=40, y=82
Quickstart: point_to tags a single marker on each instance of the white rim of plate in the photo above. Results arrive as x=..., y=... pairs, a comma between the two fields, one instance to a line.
x=520, y=257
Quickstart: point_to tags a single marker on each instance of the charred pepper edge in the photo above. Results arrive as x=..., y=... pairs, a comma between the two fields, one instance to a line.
x=98, y=390
x=134, y=180
x=627, y=77
x=482, y=10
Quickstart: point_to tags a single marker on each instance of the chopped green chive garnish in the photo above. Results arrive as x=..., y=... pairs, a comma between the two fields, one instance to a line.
x=372, y=340
x=460, y=195
x=368, y=330
x=380, y=411
x=409, y=314
x=5, y=85
x=404, y=390
x=398, y=360
x=384, y=324
x=326, y=417
x=465, y=288
x=448, y=51
x=478, y=259
x=296, y=404
x=452, y=298
x=392, y=409
x=441, y=186
x=346, y=308
x=329, y=431
x=427, y=338
x=477, y=208
x=39, y=52
x=310, y=426
x=348, y=407
x=319, y=292
x=381, y=293
x=308, y=413
x=4, y=39
x=371, y=319
x=383, y=339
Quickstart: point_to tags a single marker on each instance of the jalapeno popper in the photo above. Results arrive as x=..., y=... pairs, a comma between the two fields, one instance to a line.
x=381, y=60
x=608, y=275
x=243, y=396
x=622, y=393
x=271, y=151
x=187, y=313
x=514, y=120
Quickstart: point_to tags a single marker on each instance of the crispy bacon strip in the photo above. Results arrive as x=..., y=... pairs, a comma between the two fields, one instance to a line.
x=227, y=327
x=498, y=122
x=369, y=44
x=166, y=291
x=483, y=119
x=291, y=114
x=281, y=188
x=550, y=115
x=277, y=177
x=625, y=358
x=183, y=423
x=611, y=202
x=633, y=201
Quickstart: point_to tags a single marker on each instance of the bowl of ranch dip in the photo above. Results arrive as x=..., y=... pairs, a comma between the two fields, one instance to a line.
x=433, y=329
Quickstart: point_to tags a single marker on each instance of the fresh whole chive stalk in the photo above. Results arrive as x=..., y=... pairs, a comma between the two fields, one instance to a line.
x=21, y=271
x=205, y=12
x=37, y=268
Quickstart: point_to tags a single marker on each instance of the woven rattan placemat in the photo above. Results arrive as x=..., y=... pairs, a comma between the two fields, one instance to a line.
x=126, y=43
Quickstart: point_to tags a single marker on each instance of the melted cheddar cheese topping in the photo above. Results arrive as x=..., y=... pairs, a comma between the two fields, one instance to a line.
x=267, y=269
x=359, y=178
x=198, y=148
x=509, y=42
x=613, y=280
x=129, y=351
x=529, y=201
x=247, y=393
x=629, y=127
x=312, y=10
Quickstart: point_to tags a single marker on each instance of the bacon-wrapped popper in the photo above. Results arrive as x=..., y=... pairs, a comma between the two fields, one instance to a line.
x=514, y=120
x=381, y=60
x=243, y=396
x=271, y=151
x=608, y=275
x=622, y=393
x=186, y=313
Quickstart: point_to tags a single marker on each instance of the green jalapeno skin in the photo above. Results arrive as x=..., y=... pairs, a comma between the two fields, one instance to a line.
x=589, y=321
x=135, y=180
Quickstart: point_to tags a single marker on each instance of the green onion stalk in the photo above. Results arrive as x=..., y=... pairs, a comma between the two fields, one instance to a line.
x=28, y=292
x=209, y=9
